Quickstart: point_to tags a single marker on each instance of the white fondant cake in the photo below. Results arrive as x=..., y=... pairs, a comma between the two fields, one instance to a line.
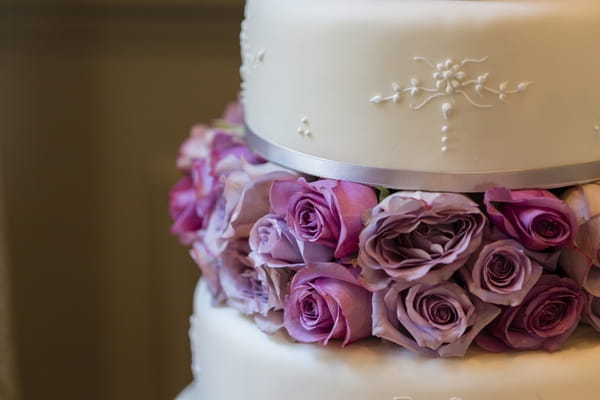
x=234, y=360
x=440, y=95
x=478, y=88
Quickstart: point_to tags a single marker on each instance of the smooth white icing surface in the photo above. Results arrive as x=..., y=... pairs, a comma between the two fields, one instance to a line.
x=232, y=359
x=524, y=93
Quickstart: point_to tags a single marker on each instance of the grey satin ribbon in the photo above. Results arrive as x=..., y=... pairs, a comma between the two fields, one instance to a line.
x=415, y=180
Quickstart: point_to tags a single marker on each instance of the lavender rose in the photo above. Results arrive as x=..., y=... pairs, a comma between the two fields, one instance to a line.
x=434, y=321
x=258, y=292
x=422, y=237
x=582, y=261
x=273, y=245
x=501, y=273
x=191, y=200
x=246, y=196
x=324, y=212
x=536, y=218
x=196, y=146
x=547, y=316
x=326, y=302
x=239, y=280
x=592, y=312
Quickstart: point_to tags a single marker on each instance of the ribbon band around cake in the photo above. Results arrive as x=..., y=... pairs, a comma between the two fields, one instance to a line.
x=542, y=178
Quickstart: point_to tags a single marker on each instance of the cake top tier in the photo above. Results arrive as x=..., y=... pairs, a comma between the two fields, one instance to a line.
x=435, y=95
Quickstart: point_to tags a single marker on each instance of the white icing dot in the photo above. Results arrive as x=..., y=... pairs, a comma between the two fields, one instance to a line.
x=445, y=128
x=304, y=120
x=444, y=149
x=444, y=139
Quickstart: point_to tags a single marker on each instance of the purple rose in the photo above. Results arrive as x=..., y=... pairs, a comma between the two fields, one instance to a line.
x=421, y=237
x=536, y=218
x=324, y=212
x=434, y=321
x=582, y=261
x=326, y=302
x=547, y=316
x=192, y=200
x=501, y=273
x=273, y=245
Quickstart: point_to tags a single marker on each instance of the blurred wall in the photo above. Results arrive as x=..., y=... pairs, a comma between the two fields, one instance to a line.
x=7, y=367
x=96, y=97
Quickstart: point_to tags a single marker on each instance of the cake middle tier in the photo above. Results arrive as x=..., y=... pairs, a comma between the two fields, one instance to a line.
x=480, y=90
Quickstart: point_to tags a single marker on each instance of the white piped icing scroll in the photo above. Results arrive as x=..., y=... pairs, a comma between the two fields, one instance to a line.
x=451, y=64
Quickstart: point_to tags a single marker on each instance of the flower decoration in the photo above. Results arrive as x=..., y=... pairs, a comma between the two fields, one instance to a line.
x=326, y=260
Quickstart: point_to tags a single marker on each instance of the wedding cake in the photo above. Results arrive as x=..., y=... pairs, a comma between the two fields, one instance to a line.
x=404, y=206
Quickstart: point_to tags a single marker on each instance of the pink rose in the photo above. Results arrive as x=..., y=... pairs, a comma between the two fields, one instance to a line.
x=582, y=261
x=544, y=320
x=536, y=218
x=326, y=302
x=324, y=212
x=421, y=237
x=501, y=273
x=434, y=321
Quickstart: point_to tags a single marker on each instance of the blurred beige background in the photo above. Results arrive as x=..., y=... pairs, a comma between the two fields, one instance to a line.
x=96, y=97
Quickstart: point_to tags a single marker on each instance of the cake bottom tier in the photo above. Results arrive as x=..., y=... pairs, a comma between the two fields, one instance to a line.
x=232, y=359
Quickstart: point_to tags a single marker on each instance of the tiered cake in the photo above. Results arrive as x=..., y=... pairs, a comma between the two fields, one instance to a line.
x=407, y=205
